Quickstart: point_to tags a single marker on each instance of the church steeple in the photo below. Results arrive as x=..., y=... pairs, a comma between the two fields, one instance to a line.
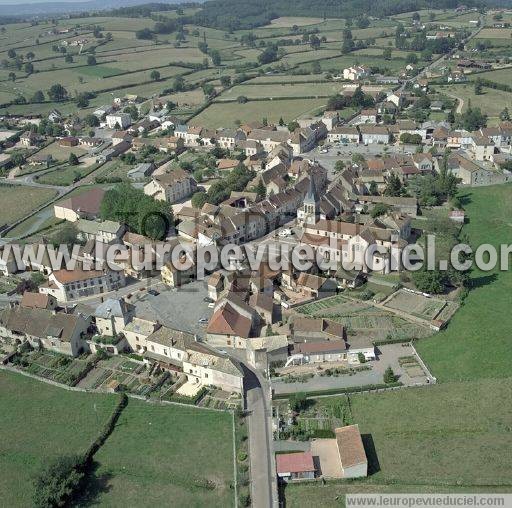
x=309, y=213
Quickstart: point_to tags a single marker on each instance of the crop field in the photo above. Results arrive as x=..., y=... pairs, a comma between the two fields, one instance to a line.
x=289, y=21
x=495, y=33
x=18, y=200
x=124, y=64
x=417, y=305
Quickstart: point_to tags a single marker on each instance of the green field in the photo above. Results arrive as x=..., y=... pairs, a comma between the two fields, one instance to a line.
x=491, y=102
x=483, y=323
x=226, y=114
x=163, y=453
x=40, y=422
x=156, y=453
x=503, y=76
x=18, y=200
x=433, y=439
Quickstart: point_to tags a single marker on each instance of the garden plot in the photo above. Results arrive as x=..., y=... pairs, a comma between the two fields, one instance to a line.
x=417, y=305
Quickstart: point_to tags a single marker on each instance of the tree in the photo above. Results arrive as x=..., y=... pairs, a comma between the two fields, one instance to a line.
x=411, y=58
x=11, y=53
x=216, y=58
x=203, y=47
x=91, y=60
x=82, y=101
x=386, y=54
x=198, y=200
x=389, y=376
x=179, y=84
x=293, y=125
x=57, y=93
x=505, y=115
x=144, y=34
x=269, y=55
x=339, y=166
x=37, y=97
x=30, y=55
x=478, y=87
x=18, y=159
x=56, y=484
x=380, y=209
x=429, y=281
x=12, y=76
x=91, y=121
x=225, y=81
x=73, y=160
x=28, y=68
x=141, y=213
x=394, y=186
x=67, y=235
x=68, y=59
x=155, y=75
x=316, y=68
x=314, y=42
x=260, y=189
x=373, y=189
x=298, y=402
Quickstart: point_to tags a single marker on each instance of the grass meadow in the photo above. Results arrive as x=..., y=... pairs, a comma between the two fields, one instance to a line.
x=40, y=422
x=156, y=456
x=18, y=201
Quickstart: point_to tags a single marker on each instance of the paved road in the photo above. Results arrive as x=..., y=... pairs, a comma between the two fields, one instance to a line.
x=263, y=475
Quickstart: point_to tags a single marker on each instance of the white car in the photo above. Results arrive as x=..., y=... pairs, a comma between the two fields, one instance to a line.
x=324, y=150
x=285, y=232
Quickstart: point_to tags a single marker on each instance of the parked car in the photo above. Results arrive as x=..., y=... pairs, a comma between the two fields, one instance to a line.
x=153, y=292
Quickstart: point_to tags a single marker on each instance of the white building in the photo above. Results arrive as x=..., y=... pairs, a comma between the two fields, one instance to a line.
x=118, y=121
x=356, y=73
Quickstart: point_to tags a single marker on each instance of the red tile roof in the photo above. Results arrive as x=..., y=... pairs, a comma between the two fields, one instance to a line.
x=294, y=462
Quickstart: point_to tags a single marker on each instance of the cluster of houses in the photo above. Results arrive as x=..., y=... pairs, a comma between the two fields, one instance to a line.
x=114, y=328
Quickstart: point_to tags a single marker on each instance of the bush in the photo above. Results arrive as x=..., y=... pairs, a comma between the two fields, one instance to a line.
x=242, y=456
x=389, y=376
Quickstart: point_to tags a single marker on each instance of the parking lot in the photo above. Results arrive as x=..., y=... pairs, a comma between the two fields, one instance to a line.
x=339, y=151
x=179, y=308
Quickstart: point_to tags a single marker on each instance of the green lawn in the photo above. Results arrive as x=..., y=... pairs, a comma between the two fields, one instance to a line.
x=168, y=455
x=38, y=422
x=477, y=342
x=225, y=115
x=491, y=102
x=18, y=200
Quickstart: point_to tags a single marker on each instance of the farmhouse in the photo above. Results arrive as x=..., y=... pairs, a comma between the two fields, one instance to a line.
x=356, y=73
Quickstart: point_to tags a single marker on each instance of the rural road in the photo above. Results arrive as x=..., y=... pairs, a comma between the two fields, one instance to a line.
x=263, y=478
